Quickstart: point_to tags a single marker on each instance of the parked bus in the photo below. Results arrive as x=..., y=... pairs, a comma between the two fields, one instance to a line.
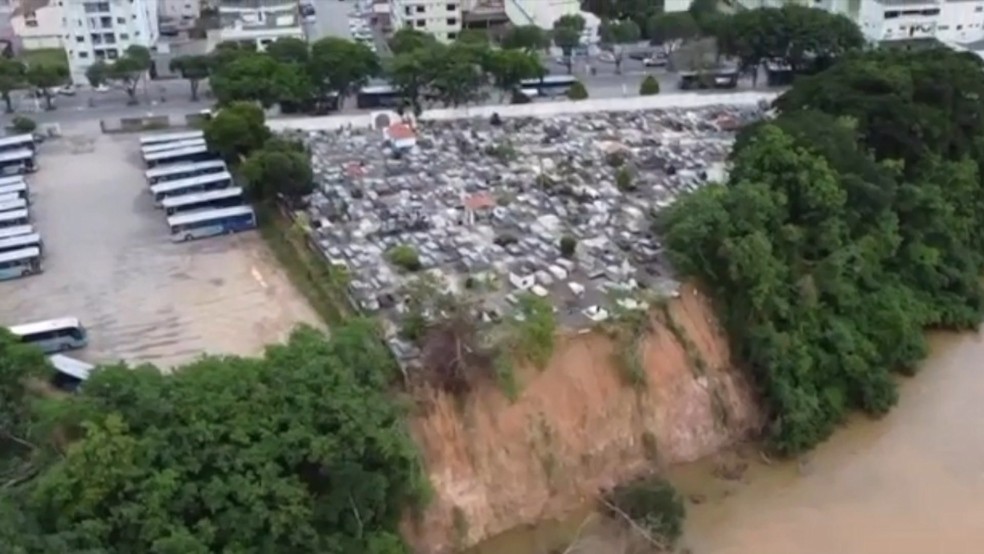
x=53, y=335
x=170, y=137
x=183, y=171
x=8, y=196
x=19, y=263
x=191, y=185
x=181, y=155
x=20, y=189
x=18, y=242
x=721, y=78
x=16, y=230
x=17, y=142
x=220, y=198
x=18, y=162
x=549, y=85
x=11, y=180
x=13, y=203
x=69, y=372
x=207, y=223
x=165, y=146
x=378, y=96
x=14, y=217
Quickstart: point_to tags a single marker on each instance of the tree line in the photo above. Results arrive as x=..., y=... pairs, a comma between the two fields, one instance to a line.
x=849, y=225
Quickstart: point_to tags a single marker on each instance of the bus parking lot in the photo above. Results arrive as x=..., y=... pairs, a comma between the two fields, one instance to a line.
x=110, y=261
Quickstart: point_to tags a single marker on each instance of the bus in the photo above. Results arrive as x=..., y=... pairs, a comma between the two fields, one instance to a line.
x=16, y=230
x=69, y=372
x=720, y=78
x=20, y=189
x=18, y=162
x=207, y=223
x=19, y=263
x=13, y=203
x=379, y=96
x=14, y=217
x=183, y=171
x=549, y=85
x=11, y=180
x=188, y=154
x=147, y=140
x=8, y=196
x=18, y=242
x=53, y=335
x=219, y=198
x=18, y=142
x=165, y=146
x=202, y=183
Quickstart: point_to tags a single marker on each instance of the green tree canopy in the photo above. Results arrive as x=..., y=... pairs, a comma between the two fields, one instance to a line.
x=270, y=172
x=509, y=67
x=616, y=34
x=667, y=27
x=97, y=74
x=408, y=39
x=12, y=77
x=341, y=66
x=193, y=68
x=130, y=68
x=236, y=131
x=289, y=50
x=259, y=78
x=526, y=37
x=44, y=78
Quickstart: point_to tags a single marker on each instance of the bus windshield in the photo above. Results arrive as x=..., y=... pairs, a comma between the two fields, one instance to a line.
x=206, y=223
x=54, y=335
x=20, y=263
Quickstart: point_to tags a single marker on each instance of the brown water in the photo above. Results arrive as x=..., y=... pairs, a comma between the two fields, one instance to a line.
x=910, y=483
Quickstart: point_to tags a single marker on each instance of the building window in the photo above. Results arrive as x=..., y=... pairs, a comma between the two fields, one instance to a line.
x=891, y=14
x=959, y=27
x=96, y=7
x=452, y=36
x=124, y=36
x=121, y=20
x=943, y=28
x=112, y=53
x=136, y=33
x=109, y=38
x=106, y=22
x=452, y=7
x=83, y=54
x=421, y=22
x=408, y=10
x=452, y=21
x=420, y=9
x=79, y=39
x=979, y=9
x=31, y=22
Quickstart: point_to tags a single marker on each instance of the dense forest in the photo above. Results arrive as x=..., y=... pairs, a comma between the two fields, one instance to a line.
x=849, y=224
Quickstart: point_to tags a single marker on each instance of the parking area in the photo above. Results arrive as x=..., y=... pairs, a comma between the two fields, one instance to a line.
x=109, y=261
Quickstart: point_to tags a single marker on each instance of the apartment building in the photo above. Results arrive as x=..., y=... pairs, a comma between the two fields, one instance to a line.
x=180, y=9
x=103, y=30
x=257, y=21
x=37, y=24
x=441, y=18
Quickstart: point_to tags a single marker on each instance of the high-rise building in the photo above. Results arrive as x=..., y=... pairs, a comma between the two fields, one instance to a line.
x=441, y=18
x=104, y=29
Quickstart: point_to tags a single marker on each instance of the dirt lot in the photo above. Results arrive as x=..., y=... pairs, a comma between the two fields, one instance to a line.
x=110, y=262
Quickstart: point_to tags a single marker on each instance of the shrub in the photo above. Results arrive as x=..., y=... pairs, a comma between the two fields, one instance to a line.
x=577, y=91
x=23, y=124
x=623, y=179
x=652, y=504
x=649, y=86
x=568, y=245
x=404, y=257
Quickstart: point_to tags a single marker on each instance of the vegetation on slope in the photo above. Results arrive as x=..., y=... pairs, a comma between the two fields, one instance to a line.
x=850, y=224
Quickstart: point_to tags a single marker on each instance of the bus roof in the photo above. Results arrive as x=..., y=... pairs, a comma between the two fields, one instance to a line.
x=168, y=154
x=8, y=196
x=165, y=146
x=170, y=137
x=71, y=367
x=20, y=254
x=550, y=80
x=12, y=215
x=169, y=186
x=47, y=325
x=16, y=139
x=29, y=239
x=11, y=180
x=16, y=155
x=199, y=197
x=16, y=203
x=166, y=170
x=13, y=187
x=205, y=215
x=378, y=89
x=6, y=232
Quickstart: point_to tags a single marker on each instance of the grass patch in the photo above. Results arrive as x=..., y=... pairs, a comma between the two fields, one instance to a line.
x=44, y=56
x=697, y=361
x=310, y=274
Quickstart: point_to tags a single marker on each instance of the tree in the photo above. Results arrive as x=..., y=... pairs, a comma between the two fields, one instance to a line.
x=23, y=124
x=12, y=76
x=649, y=86
x=97, y=74
x=616, y=34
x=568, y=246
x=526, y=37
x=668, y=27
x=408, y=40
x=653, y=505
x=704, y=12
x=130, y=68
x=228, y=51
x=577, y=91
x=473, y=36
x=567, y=36
x=44, y=78
x=236, y=131
x=411, y=74
x=193, y=68
x=273, y=172
x=509, y=67
x=404, y=257
x=341, y=66
x=289, y=50
x=456, y=75
x=259, y=78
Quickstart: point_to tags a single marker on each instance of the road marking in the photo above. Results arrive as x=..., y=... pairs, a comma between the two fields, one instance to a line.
x=258, y=277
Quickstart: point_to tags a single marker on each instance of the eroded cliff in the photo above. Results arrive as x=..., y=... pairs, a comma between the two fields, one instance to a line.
x=578, y=428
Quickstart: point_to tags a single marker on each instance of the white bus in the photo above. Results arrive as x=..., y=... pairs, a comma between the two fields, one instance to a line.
x=20, y=189
x=8, y=196
x=202, y=183
x=165, y=146
x=11, y=180
x=14, y=203
x=210, y=199
x=53, y=335
x=69, y=372
x=17, y=142
x=170, y=137
x=17, y=242
x=207, y=223
x=7, y=232
x=183, y=171
x=14, y=217
x=181, y=155
x=18, y=161
x=19, y=263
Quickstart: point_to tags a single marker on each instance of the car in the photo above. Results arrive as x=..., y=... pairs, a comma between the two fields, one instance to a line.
x=655, y=61
x=640, y=55
x=101, y=88
x=606, y=57
x=67, y=90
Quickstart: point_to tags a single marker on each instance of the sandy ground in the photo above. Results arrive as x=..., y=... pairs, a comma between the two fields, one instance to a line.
x=110, y=263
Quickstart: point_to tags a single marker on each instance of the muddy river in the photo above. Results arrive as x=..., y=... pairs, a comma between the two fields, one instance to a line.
x=912, y=482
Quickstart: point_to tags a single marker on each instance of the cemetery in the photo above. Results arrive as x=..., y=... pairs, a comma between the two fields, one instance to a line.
x=561, y=208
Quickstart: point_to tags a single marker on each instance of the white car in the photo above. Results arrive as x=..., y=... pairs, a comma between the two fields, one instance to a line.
x=101, y=88
x=67, y=90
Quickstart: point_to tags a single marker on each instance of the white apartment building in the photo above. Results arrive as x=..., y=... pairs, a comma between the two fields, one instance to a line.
x=258, y=21
x=38, y=24
x=180, y=9
x=441, y=18
x=104, y=29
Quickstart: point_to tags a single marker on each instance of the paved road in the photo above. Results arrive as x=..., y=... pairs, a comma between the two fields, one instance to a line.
x=330, y=20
